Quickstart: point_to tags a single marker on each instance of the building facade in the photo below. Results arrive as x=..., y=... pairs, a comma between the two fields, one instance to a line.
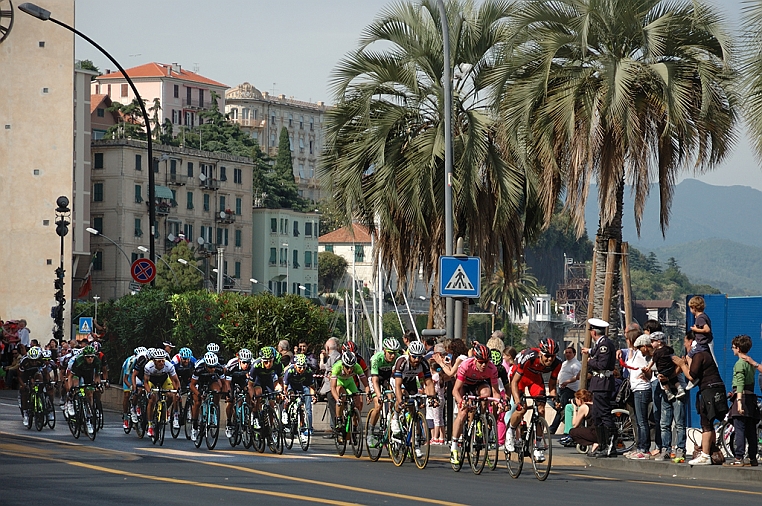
x=284, y=252
x=36, y=164
x=263, y=116
x=201, y=197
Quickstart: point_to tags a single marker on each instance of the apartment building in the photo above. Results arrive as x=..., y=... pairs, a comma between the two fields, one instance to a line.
x=201, y=197
x=264, y=115
x=284, y=251
x=182, y=93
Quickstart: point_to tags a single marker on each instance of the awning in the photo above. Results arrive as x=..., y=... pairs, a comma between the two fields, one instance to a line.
x=162, y=192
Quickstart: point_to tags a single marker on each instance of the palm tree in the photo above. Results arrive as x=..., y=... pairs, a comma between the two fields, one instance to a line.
x=385, y=139
x=513, y=294
x=752, y=70
x=616, y=92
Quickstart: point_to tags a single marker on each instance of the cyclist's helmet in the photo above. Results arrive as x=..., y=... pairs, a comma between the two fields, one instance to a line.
x=34, y=353
x=266, y=353
x=349, y=346
x=162, y=354
x=76, y=352
x=349, y=359
x=548, y=347
x=416, y=349
x=213, y=347
x=88, y=351
x=244, y=355
x=185, y=353
x=391, y=344
x=210, y=359
x=97, y=346
x=154, y=354
x=481, y=352
x=46, y=355
x=496, y=357
x=140, y=350
x=300, y=360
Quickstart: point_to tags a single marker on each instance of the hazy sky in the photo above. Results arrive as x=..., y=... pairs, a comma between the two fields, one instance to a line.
x=282, y=46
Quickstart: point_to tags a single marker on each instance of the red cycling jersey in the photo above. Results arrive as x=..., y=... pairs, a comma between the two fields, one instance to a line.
x=529, y=366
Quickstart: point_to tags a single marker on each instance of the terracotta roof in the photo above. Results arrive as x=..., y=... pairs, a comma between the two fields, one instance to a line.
x=347, y=235
x=97, y=100
x=162, y=70
x=656, y=304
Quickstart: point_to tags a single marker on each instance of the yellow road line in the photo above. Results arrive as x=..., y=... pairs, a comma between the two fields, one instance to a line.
x=178, y=481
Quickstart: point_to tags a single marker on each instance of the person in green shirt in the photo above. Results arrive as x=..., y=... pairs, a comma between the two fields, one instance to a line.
x=743, y=409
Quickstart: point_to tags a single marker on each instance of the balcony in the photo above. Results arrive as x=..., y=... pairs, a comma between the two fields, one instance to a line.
x=163, y=208
x=211, y=184
x=177, y=179
x=252, y=123
x=226, y=216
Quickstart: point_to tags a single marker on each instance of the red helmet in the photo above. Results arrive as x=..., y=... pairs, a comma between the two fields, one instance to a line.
x=481, y=352
x=349, y=346
x=548, y=347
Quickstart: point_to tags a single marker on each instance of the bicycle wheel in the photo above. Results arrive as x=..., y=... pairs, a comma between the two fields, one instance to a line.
x=356, y=432
x=478, y=451
x=276, y=440
x=303, y=427
x=541, y=450
x=340, y=434
x=492, y=450
x=39, y=411
x=177, y=408
x=161, y=427
x=213, y=427
x=140, y=427
x=98, y=412
x=233, y=422
x=155, y=422
x=625, y=431
x=87, y=414
x=50, y=413
x=187, y=417
x=245, y=426
x=374, y=451
x=289, y=429
x=73, y=420
x=727, y=442
x=514, y=460
x=398, y=446
x=421, y=437
x=201, y=432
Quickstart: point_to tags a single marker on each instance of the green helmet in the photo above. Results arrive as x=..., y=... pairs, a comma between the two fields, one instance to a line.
x=300, y=360
x=88, y=351
x=496, y=357
x=266, y=353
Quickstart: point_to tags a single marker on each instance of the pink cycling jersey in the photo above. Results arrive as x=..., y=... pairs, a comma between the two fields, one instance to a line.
x=469, y=375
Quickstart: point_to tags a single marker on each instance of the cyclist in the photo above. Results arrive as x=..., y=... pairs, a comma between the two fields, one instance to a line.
x=262, y=376
x=531, y=364
x=127, y=366
x=184, y=363
x=160, y=373
x=381, y=365
x=408, y=370
x=477, y=376
x=298, y=380
x=30, y=369
x=138, y=367
x=352, y=346
x=236, y=373
x=49, y=377
x=86, y=367
x=207, y=373
x=342, y=382
x=68, y=387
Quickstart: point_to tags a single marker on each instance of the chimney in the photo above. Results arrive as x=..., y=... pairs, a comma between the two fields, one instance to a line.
x=108, y=71
x=177, y=68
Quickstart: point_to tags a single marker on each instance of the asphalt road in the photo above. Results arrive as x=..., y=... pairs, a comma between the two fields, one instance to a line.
x=121, y=469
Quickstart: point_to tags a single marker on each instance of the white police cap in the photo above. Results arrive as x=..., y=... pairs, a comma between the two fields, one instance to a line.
x=597, y=323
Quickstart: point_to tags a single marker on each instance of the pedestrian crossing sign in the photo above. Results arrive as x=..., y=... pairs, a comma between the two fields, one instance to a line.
x=85, y=325
x=460, y=276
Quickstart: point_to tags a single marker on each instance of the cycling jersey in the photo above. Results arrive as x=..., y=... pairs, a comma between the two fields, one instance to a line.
x=176, y=360
x=380, y=367
x=469, y=375
x=234, y=373
x=293, y=380
x=347, y=381
x=84, y=371
x=529, y=365
x=159, y=377
x=29, y=368
x=204, y=376
x=127, y=365
x=260, y=376
x=409, y=374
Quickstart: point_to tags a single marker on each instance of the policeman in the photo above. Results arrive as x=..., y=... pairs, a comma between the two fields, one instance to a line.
x=602, y=357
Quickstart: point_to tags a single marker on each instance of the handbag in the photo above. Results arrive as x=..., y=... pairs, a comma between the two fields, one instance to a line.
x=624, y=394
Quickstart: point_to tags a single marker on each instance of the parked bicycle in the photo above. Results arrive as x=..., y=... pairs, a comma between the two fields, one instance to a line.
x=349, y=426
x=533, y=441
x=413, y=438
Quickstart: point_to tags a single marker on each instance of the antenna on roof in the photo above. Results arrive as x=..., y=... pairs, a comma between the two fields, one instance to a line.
x=273, y=93
x=195, y=68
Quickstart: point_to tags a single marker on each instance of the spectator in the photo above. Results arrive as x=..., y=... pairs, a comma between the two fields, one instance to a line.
x=648, y=328
x=407, y=337
x=743, y=409
x=11, y=371
x=435, y=415
x=328, y=357
x=23, y=333
x=568, y=383
x=304, y=348
x=672, y=406
x=640, y=383
x=429, y=343
x=285, y=353
x=583, y=433
x=457, y=353
x=496, y=341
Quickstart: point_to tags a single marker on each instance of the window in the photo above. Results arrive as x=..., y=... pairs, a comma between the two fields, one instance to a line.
x=308, y=229
x=138, y=162
x=312, y=121
x=301, y=170
x=312, y=144
x=272, y=137
x=359, y=253
x=97, y=160
x=237, y=271
x=219, y=236
x=100, y=112
x=188, y=232
x=201, y=98
x=291, y=142
x=315, y=263
x=173, y=167
x=290, y=122
x=98, y=192
x=174, y=198
x=329, y=247
x=245, y=113
x=273, y=256
x=125, y=90
x=237, y=176
x=307, y=259
x=156, y=229
x=296, y=228
x=98, y=223
x=223, y=174
x=188, y=98
x=176, y=91
x=156, y=165
x=135, y=256
x=138, y=228
x=190, y=169
x=273, y=225
x=189, y=200
x=225, y=242
x=222, y=203
x=295, y=261
x=98, y=134
x=301, y=145
x=238, y=238
x=311, y=171
x=138, y=194
x=301, y=122
x=98, y=261
x=238, y=206
x=206, y=202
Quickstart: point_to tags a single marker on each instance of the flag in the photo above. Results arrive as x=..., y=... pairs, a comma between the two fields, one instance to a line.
x=87, y=284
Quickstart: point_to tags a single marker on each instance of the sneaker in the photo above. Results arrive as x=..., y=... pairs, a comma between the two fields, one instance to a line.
x=663, y=455
x=418, y=453
x=639, y=456
x=176, y=423
x=539, y=455
x=689, y=385
x=70, y=409
x=194, y=434
x=509, y=445
x=753, y=462
x=255, y=424
x=134, y=415
x=372, y=441
x=734, y=463
x=126, y=424
x=670, y=395
x=51, y=417
x=26, y=419
x=454, y=457
x=90, y=429
x=681, y=393
x=228, y=431
x=702, y=460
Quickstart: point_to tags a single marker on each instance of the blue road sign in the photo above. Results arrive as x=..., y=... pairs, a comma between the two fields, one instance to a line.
x=460, y=277
x=85, y=324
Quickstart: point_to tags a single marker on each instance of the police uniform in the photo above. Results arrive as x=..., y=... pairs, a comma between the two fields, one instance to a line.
x=601, y=362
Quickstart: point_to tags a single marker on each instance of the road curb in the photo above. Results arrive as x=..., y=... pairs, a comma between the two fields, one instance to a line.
x=714, y=473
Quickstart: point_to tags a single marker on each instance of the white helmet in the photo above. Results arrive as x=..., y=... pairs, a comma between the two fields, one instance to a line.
x=211, y=359
x=244, y=355
x=213, y=347
x=140, y=350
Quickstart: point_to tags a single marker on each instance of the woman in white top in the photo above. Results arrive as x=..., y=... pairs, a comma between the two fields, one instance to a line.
x=640, y=383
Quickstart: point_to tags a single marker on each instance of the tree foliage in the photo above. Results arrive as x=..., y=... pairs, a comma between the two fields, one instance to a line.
x=177, y=277
x=651, y=282
x=331, y=218
x=331, y=268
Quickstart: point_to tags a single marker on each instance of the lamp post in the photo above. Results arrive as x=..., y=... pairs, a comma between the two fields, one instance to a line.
x=494, y=310
x=302, y=288
x=116, y=264
x=161, y=257
x=62, y=229
x=256, y=282
x=95, y=319
x=44, y=15
x=286, y=245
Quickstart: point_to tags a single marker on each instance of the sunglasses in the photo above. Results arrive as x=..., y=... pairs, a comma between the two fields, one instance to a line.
x=547, y=355
x=482, y=361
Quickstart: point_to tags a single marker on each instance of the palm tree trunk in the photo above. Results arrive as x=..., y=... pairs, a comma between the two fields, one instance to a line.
x=612, y=230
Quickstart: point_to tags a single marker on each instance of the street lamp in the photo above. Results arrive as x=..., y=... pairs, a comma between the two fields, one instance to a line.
x=286, y=245
x=145, y=250
x=116, y=264
x=95, y=319
x=186, y=263
x=494, y=310
x=44, y=15
x=302, y=288
x=62, y=229
x=256, y=282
